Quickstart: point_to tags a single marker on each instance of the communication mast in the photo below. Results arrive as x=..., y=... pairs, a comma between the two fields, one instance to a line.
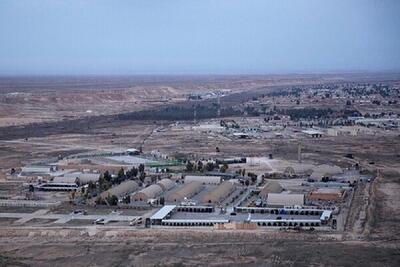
x=219, y=106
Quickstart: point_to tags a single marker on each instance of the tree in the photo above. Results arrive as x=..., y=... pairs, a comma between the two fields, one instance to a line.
x=112, y=200
x=142, y=176
x=141, y=168
x=131, y=173
x=253, y=178
x=107, y=176
x=189, y=166
x=126, y=199
x=209, y=166
x=121, y=174
x=247, y=183
x=200, y=166
x=223, y=168
x=99, y=201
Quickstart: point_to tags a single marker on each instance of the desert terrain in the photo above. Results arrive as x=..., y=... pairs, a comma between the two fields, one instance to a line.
x=58, y=119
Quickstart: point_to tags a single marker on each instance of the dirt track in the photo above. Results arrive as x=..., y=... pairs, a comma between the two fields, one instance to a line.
x=194, y=248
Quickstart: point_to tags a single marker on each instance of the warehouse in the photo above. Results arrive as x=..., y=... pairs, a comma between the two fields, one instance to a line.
x=147, y=193
x=29, y=170
x=77, y=177
x=270, y=187
x=186, y=191
x=203, y=179
x=219, y=193
x=281, y=199
x=166, y=184
x=326, y=194
x=121, y=190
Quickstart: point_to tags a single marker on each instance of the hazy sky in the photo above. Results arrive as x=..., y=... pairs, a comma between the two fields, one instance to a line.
x=198, y=37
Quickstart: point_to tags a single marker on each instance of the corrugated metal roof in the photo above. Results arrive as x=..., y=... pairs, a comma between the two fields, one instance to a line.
x=219, y=193
x=163, y=212
x=166, y=184
x=203, y=179
x=187, y=190
x=152, y=191
x=195, y=221
x=122, y=189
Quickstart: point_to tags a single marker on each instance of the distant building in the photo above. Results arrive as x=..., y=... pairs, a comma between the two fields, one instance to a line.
x=203, y=179
x=313, y=133
x=28, y=170
x=327, y=194
x=77, y=177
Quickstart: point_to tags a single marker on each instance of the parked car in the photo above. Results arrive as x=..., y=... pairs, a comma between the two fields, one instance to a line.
x=99, y=221
x=80, y=212
x=137, y=221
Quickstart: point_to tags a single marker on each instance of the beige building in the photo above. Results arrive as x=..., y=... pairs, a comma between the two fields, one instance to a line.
x=270, y=187
x=327, y=194
x=166, y=184
x=121, y=190
x=186, y=191
x=283, y=199
x=203, y=179
x=152, y=191
x=219, y=193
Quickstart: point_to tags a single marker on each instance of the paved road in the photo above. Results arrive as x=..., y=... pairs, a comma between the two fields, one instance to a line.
x=63, y=218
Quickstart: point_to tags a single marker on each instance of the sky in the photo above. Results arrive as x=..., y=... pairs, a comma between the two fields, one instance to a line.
x=39, y=37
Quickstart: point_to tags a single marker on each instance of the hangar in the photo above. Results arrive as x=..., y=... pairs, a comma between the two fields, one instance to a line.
x=77, y=177
x=203, y=179
x=188, y=190
x=219, y=193
x=121, y=190
x=166, y=184
x=149, y=192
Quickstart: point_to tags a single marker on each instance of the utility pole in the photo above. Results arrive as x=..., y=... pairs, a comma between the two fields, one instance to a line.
x=219, y=106
x=299, y=152
x=194, y=114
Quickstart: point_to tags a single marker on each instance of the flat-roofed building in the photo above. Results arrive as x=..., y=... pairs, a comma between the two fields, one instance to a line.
x=283, y=199
x=27, y=170
x=327, y=194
